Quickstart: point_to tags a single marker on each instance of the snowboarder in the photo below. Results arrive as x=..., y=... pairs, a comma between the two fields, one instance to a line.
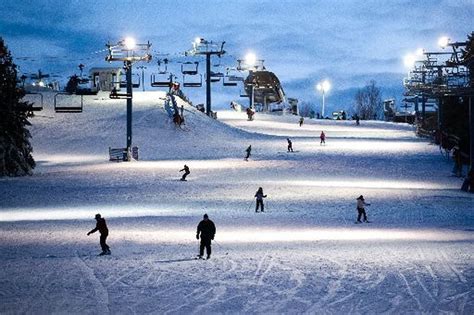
x=301, y=121
x=259, y=195
x=361, y=209
x=290, y=145
x=248, y=150
x=186, y=172
x=323, y=138
x=206, y=231
x=101, y=226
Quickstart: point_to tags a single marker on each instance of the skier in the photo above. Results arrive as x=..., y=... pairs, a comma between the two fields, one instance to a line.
x=259, y=195
x=248, y=150
x=207, y=230
x=301, y=121
x=290, y=145
x=101, y=226
x=323, y=138
x=361, y=210
x=357, y=119
x=186, y=172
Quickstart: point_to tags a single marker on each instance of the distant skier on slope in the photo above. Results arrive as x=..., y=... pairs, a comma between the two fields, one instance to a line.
x=206, y=230
x=101, y=226
x=248, y=150
x=357, y=119
x=322, y=136
x=290, y=145
x=361, y=209
x=186, y=172
x=301, y=121
x=259, y=195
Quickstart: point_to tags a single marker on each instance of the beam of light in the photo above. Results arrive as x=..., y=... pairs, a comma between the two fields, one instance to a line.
x=130, y=43
x=409, y=60
x=256, y=235
x=419, y=52
x=251, y=59
x=443, y=41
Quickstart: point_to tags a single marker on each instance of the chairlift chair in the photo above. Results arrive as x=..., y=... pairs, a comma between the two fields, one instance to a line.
x=188, y=83
x=135, y=81
x=216, y=76
x=190, y=68
x=161, y=79
x=67, y=109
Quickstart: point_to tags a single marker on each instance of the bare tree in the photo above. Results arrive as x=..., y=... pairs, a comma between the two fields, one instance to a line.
x=305, y=109
x=368, y=102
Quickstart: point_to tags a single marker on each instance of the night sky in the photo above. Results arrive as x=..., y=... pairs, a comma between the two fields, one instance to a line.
x=303, y=42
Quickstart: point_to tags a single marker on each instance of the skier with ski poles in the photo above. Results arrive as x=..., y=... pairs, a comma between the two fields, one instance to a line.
x=248, y=150
x=361, y=209
x=206, y=230
x=259, y=195
x=101, y=226
x=186, y=172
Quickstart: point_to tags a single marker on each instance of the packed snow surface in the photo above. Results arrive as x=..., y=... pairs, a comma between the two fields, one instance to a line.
x=304, y=254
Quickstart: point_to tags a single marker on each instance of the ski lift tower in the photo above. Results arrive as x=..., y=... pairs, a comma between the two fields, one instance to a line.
x=207, y=48
x=128, y=51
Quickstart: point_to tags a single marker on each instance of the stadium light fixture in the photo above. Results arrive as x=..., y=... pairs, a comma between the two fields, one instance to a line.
x=409, y=60
x=323, y=87
x=251, y=59
x=130, y=43
x=443, y=41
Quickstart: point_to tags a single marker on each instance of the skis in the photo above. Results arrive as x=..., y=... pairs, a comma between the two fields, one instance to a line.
x=359, y=222
x=198, y=257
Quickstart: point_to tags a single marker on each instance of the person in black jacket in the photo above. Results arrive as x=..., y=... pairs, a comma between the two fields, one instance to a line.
x=290, y=145
x=206, y=231
x=101, y=226
x=248, y=150
x=186, y=172
x=259, y=195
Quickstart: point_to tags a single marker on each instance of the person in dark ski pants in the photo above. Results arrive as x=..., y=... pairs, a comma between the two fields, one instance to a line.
x=206, y=230
x=361, y=209
x=186, y=172
x=249, y=150
x=301, y=121
x=290, y=145
x=323, y=138
x=101, y=226
x=259, y=195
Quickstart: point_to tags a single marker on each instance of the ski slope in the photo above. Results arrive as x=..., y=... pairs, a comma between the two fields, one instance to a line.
x=303, y=255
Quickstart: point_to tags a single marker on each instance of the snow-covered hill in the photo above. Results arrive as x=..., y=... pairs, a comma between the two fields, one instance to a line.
x=303, y=255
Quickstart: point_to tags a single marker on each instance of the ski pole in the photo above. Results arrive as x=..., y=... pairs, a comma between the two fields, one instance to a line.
x=250, y=205
x=220, y=246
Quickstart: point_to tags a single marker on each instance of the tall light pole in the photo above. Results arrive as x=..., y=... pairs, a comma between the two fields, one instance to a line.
x=207, y=48
x=128, y=51
x=323, y=87
x=250, y=60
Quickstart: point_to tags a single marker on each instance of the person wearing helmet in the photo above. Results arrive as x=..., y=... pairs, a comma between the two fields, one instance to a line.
x=206, y=231
x=101, y=226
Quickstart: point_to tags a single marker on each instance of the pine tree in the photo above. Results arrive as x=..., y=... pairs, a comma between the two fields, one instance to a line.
x=15, y=147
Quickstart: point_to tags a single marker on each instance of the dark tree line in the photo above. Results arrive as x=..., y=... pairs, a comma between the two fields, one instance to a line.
x=15, y=147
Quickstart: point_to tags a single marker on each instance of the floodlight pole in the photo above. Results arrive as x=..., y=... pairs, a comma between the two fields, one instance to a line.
x=128, y=67
x=207, y=48
x=208, y=83
x=123, y=51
